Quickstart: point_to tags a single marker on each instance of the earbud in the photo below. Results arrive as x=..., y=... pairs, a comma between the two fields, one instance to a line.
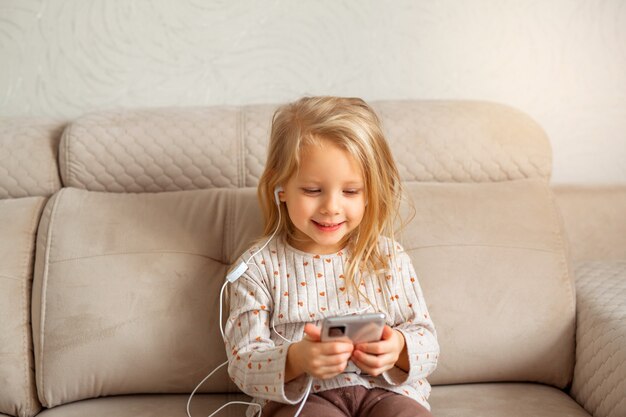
x=277, y=190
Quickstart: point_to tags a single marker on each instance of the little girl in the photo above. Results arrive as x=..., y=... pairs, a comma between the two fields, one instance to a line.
x=330, y=194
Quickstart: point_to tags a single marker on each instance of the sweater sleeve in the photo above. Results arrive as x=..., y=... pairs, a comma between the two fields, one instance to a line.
x=418, y=329
x=255, y=363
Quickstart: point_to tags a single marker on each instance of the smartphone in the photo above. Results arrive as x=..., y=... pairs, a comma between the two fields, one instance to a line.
x=361, y=328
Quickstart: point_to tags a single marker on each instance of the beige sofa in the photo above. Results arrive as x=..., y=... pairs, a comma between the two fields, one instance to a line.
x=116, y=230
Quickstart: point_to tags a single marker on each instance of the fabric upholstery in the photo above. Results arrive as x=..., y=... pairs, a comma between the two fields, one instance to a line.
x=600, y=372
x=595, y=221
x=153, y=279
x=493, y=400
x=503, y=400
x=28, y=157
x=151, y=406
x=130, y=255
x=18, y=225
x=183, y=149
x=126, y=290
x=492, y=264
x=456, y=234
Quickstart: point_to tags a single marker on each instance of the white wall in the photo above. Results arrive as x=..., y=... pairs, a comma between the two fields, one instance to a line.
x=561, y=61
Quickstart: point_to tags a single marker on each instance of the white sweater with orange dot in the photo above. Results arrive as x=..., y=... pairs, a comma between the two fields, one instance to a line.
x=289, y=288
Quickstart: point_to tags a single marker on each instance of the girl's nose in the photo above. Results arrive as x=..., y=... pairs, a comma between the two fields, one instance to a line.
x=330, y=204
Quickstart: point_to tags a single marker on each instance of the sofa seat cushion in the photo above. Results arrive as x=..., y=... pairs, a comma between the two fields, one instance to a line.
x=494, y=400
x=503, y=400
x=150, y=406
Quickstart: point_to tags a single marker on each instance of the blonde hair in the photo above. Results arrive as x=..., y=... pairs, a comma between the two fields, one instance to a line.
x=353, y=126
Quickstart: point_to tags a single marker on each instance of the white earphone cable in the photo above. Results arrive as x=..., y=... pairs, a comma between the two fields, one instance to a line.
x=268, y=240
x=239, y=270
x=215, y=370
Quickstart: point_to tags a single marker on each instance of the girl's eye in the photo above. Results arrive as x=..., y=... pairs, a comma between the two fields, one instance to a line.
x=351, y=192
x=311, y=190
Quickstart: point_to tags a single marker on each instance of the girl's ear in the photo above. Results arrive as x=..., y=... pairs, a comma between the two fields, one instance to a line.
x=278, y=194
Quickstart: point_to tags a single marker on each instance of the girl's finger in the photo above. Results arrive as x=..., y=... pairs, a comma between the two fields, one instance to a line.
x=387, y=343
x=330, y=360
x=328, y=371
x=374, y=361
x=333, y=360
x=312, y=332
x=387, y=333
x=336, y=348
x=372, y=370
x=375, y=348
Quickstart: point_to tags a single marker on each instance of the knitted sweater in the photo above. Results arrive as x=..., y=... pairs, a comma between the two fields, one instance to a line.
x=289, y=288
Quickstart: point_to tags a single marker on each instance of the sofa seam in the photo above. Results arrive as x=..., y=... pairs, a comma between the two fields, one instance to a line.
x=56, y=172
x=44, y=289
x=67, y=135
x=227, y=224
x=135, y=253
x=241, y=162
x=50, y=174
x=29, y=396
x=567, y=270
x=481, y=245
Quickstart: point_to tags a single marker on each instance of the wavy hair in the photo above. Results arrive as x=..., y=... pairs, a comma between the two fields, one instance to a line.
x=351, y=124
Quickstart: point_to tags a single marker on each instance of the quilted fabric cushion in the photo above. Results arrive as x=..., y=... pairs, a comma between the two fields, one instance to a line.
x=18, y=225
x=492, y=263
x=464, y=141
x=183, y=149
x=28, y=157
x=600, y=373
x=126, y=293
x=161, y=149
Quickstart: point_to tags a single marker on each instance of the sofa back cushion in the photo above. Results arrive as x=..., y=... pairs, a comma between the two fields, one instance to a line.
x=127, y=286
x=171, y=149
x=491, y=259
x=18, y=226
x=127, y=289
x=28, y=156
x=594, y=219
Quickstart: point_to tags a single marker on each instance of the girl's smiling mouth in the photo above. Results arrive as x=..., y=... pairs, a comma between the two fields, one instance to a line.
x=327, y=227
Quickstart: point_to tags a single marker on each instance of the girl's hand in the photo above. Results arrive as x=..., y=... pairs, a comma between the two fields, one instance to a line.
x=378, y=357
x=321, y=360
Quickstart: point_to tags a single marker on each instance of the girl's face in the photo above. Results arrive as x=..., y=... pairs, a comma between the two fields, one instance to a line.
x=325, y=199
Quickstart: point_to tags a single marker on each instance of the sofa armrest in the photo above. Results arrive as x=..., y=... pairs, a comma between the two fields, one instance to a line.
x=599, y=383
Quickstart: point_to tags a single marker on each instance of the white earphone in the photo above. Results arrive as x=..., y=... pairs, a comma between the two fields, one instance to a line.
x=278, y=189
